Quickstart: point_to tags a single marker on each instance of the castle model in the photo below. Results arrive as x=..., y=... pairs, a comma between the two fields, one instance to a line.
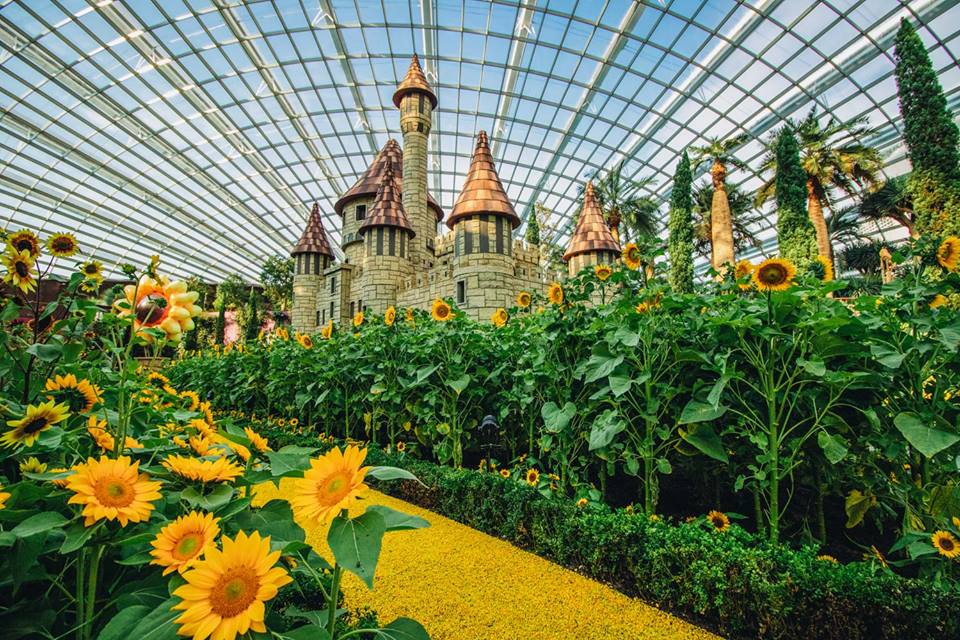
x=393, y=255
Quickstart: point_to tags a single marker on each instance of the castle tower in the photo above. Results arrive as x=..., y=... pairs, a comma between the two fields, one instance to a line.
x=355, y=205
x=312, y=256
x=483, y=220
x=592, y=241
x=386, y=234
x=416, y=101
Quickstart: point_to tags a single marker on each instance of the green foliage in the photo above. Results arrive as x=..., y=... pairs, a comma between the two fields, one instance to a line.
x=221, y=325
x=276, y=276
x=620, y=200
x=930, y=134
x=795, y=234
x=533, y=226
x=253, y=316
x=680, y=246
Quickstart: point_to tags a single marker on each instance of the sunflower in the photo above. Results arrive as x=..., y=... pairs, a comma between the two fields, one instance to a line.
x=948, y=254
x=524, y=299
x=390, y=316
x=827, y=265
x=305, y=341
x=631, y=256
x=401, y=447
x=719, y=520
x=219, y=470
x=358, y=319
x=499, y=317
x=114, y=489
x=24, y=240
x=32, y=465
x=946, y=544
x=827, y=558
x=581, y=503
x=60, y=482
x=181, y=543
x=257, y=440
x=201, y=445
x=504, y=473
x=100, y=435
x=4, y=496
x=62, y=245
x=333, y=482
x=642, y=308
x=440, y=310
x=79, y=395
x=409, y=315
x=533, y=477
x=603, y=271
x=20, y=273
x=774, y=274
x=938, y=301
x=742, y=272
x=160, y=304
x=555, y=293
x=92, y=270
x=327, y=330
x=193, y=397
x=225, y=591
x=37, y=419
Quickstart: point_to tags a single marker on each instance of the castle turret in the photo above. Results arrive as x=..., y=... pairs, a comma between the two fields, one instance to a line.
x=416, y=101
x=355, y=205
x=312, y=255
x=483, y=220
x=592, y=241
x=386, y=234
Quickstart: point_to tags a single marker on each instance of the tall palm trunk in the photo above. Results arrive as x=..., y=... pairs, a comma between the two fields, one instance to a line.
x=721, y=224
x=815, y=211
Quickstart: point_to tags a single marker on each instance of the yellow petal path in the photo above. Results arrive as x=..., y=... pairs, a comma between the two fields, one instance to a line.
x=462, y=584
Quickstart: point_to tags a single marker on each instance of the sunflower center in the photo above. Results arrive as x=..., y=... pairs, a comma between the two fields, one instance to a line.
x=188, y=546
x=334, y=488
x=36, y=425
x=113, y=492
x=23, y=269
x=152, y=309
x=90, y=270
x=773, y=274
x=234, y=592
x=946, y=544
x=24, y=245
x=74, y=398
x=62, y=244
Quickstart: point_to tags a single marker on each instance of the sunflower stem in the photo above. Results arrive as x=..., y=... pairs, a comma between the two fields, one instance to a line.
x=332, y=603
x=91, y=597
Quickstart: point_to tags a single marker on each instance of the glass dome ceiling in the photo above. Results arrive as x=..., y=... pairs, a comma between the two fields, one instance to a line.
x=204, y=130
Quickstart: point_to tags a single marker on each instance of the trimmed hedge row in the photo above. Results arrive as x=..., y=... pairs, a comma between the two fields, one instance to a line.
x=733, y=582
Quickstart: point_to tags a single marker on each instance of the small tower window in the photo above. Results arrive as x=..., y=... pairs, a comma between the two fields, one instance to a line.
x=317, y=321
x=331, y=310
x=333, y=284
x=353, y=308
x=462, y=292
x=420, y=107
x=361, y=211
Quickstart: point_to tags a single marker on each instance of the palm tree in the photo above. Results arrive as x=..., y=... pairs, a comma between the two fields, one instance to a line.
x=623, y=206
x=834, y=159
x=891, y=200
x=719, y=154
x=843, y=226
x=743, y=218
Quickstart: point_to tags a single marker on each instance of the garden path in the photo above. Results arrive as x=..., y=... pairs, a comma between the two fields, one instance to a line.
x=462, y=584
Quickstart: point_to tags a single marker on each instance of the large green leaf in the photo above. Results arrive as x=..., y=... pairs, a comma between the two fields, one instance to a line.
x=556, y=419
x=398, y=520
x=706, y=440
x=833, y=447
x=620, y=380
x=404, y=629
x=605, y=428
x=856, y=506
x=601, y=363
x=924, y=439
x=460, y=384
x=274, y=519
x=697, y=411
x=306, y=632
x=289, y=460
x=391, y=473
x=121, y=624
x=356, y=542
x=158, y=624
x=39, y=523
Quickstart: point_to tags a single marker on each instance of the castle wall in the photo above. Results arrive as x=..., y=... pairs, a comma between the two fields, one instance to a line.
x=334, y=296
x=351, y=242
x=415, y=123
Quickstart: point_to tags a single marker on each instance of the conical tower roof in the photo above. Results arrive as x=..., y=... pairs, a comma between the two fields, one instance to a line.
x=482, y=192
x=388, y=207
x=314, y=238
x=369, y=182
x=592, y=233
x=414, y=82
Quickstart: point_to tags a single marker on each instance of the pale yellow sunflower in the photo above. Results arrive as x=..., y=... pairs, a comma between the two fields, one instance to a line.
x=504, y=473
x=948, y=253
x=719, y=520
x=333, y=482
x=774, y=274
x=219, y=470
x=183, y=542
x=25, y=240
x=742, y=273
x=440, y=310
x=401, y=447
x=603, y=271
x=92, y=270
x=62, y=245
x=160, y=304
x=81, y=396
x=327, y=330
x=946, y=544
x=32, y=465
x=499, y=317
x=631, y=256
x=226, y=590
x=20, y=272
x=555, y=293
x=37, y=419
x=113, y=489
x=390, y=316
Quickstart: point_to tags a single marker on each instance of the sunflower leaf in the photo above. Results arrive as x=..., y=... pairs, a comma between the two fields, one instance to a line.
x=356, y=543
x=398, y=520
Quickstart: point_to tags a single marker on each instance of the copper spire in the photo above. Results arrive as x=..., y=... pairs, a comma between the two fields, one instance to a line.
x=482, y=192
x=414, y=82
x=592, y=233
x=369, y=182
x=314, y=238
x=388, y=207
